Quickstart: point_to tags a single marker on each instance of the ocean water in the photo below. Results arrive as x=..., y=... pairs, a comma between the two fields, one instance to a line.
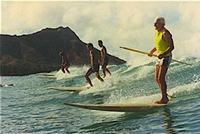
x=30, y=106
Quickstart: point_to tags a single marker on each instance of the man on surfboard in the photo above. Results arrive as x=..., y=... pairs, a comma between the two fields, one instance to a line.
x=6, y=85
x=94, y=61
x=65, y=62
x=163, y=45
x=104, y=58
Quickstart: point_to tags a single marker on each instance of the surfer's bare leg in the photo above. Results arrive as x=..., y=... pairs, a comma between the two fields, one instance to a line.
x=160, y=79
x=104, y=69
x=157, y=76
x=66, y=68
x=63, y=69
x=108, y=71
x=98, y=77
x=88, y=73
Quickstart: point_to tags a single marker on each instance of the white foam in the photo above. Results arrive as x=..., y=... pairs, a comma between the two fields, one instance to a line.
x=74, y=71
x=186, y=87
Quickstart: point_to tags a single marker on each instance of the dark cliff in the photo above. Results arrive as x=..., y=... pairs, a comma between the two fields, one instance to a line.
x=38, y=52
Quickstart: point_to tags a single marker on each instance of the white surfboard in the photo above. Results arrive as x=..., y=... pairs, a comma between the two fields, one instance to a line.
x=48, y=75
x=117, y=107
x=70, y=88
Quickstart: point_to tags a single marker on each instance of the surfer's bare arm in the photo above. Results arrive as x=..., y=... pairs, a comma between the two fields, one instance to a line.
x=92, y=59
x=151, y=52
x=63, y=62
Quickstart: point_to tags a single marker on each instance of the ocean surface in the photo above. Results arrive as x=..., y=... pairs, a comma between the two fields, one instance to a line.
x=31, y=107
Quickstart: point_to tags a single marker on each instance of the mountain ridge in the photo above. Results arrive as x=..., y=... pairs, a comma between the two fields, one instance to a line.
x=38, y=52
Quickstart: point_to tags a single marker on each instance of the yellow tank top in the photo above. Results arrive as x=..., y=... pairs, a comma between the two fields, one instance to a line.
x=160, y=44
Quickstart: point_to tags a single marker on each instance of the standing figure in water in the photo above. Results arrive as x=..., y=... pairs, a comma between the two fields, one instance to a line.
x=163, y=45
x=65, y=62
x=104, y=58
x=94, y=61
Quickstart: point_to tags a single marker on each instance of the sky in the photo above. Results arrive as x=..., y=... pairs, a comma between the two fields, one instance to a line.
x=117, y=23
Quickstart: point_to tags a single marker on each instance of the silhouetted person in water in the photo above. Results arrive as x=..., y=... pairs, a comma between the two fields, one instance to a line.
x=104, y=58
x=94, y=61
x=65, y=62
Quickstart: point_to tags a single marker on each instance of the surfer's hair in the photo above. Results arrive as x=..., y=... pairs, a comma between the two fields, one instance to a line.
x=161, y=20
x=100, y=41
x=61, y=53
x=90, y=45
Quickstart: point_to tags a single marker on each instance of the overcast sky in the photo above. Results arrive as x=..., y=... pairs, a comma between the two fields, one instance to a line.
x=117, y=23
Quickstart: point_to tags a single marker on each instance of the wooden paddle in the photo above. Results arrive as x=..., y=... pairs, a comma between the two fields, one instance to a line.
x=142, y=52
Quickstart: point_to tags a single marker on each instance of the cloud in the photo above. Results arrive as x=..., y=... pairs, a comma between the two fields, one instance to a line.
x=189, y=14
x=27, y=17
x=117, y=23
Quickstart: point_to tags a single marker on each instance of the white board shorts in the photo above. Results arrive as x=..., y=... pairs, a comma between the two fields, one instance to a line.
x=164, y=61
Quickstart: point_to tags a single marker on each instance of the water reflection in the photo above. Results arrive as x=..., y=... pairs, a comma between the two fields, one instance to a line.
x=168, y=121
x=140, y=121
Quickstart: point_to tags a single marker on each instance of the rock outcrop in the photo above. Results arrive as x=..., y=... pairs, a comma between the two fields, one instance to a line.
x=38, y=52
